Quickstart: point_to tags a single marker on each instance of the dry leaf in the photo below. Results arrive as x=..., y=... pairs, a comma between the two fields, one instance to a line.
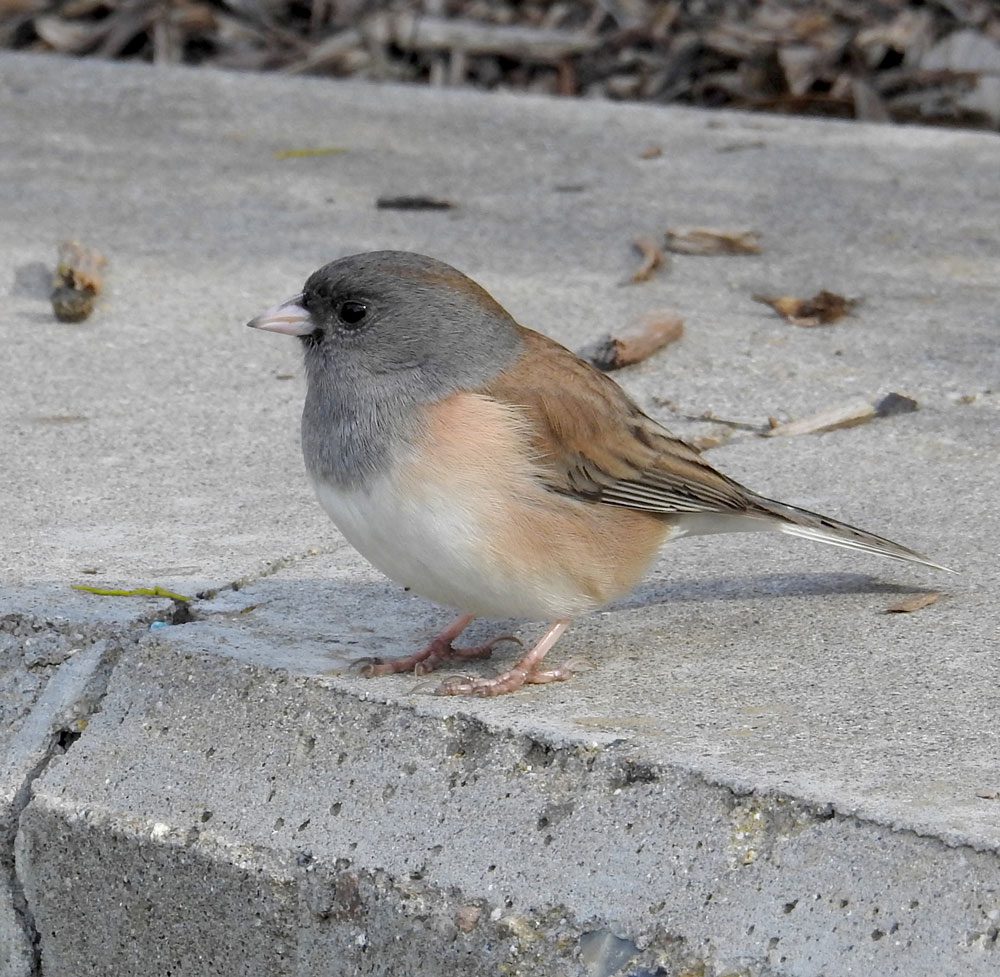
x=914, y=603
x=823, y=309
x=652, y=258
x=60, y=419
x=77, y=282
x=845, y=415
x=308, y=153
x=657, y=329
x=988, y=795
x=740, y=145
x=651, y=152
x=893, y=403
x=413, y=203
x=709, y=241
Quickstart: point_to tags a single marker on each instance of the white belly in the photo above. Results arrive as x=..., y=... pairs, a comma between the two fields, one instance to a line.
x=435, y=545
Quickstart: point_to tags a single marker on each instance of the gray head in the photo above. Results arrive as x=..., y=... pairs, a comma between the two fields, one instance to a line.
x=384, y=332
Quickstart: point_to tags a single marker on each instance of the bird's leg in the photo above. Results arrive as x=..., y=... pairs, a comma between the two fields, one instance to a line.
x=439, y=652
x=525, y=672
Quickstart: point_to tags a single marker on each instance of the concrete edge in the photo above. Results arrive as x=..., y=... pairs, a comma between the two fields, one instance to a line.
x=758, y=858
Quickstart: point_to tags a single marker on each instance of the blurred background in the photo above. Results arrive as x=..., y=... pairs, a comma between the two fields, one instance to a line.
x=935, y=62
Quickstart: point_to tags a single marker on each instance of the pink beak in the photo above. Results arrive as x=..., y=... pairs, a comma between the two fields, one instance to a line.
x=289, y=318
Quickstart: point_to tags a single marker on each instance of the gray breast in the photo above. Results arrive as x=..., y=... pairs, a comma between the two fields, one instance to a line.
x=356, y=418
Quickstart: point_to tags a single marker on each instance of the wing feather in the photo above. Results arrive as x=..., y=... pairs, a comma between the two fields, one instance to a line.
x=594, y=443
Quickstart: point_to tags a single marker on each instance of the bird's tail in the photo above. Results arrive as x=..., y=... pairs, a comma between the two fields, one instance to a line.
x=810, y=525
x=765, y=515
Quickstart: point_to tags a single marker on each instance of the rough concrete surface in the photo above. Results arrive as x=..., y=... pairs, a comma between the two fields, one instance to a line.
x=760, y=772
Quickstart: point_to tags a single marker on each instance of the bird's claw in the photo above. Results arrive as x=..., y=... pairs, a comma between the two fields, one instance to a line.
x=364, y=667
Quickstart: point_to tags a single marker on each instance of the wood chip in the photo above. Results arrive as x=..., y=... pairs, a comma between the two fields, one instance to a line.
x=656, y=330
x=851, y=414
x=651, y=152
x=420, y=32
x=988, y=795
x=823, y=309
x=329, y=53
x=57, y=420
x=914, y=603
x=868, y=104
x=710, y=415
x=652, y=258
x=705, y=442
x=77, y=282
x=68, y=36
x=414, y=202
x=710, y=241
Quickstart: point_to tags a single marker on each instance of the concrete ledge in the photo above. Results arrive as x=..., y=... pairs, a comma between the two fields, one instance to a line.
x=283, y=825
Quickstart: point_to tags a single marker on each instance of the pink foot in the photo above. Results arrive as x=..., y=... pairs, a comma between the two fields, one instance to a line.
x=510, y=681
x=525, y=672
x=439, y=652
x=448, y=653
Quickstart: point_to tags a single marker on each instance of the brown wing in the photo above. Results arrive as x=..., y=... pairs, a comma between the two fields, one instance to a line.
x=594, y=443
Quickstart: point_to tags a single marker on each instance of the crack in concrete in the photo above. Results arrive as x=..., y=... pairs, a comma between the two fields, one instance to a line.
x=19, y=899
x=275, y=566
x=71, y=697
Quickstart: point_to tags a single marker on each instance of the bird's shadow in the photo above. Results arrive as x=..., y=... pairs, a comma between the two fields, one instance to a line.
x=361, y=619
x=756, y=587
x=651, y=593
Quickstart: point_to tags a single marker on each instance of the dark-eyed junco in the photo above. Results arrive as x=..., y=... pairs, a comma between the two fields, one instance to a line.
x=490, y=469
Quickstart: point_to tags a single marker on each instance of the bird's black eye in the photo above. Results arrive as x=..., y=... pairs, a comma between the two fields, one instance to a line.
x=351, y=313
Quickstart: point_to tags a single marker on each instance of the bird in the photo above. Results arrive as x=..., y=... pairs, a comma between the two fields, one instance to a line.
x=491, y=470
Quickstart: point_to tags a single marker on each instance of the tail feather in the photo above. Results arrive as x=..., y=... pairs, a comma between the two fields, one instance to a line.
x=823, y=529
